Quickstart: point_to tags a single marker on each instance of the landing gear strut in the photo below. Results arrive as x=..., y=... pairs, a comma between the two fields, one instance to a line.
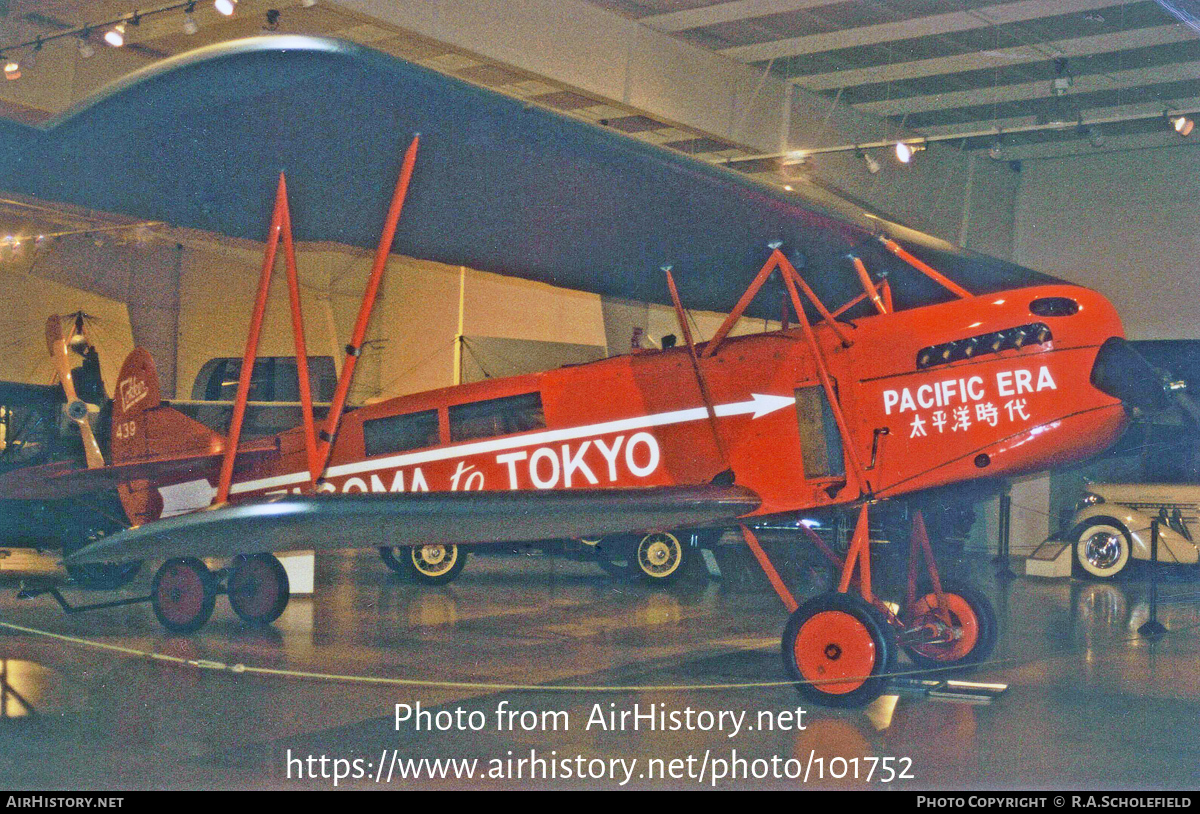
x=841, y=646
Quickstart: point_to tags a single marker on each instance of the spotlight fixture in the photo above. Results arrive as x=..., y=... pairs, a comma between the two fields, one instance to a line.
x=115, y=36
x=12, y=68
x=1095, y=136
x=272, y=19
x=905, y=152
x=225, y=7
x=1063, y=78
x=190, y=26
x=996, y=151
x=873, y=166
x=1183, y=125
x=86, y=50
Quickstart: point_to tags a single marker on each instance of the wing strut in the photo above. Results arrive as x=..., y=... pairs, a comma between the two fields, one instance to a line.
x=354, y=349
x=788, y=271
x=700, y=382
x=281, y=228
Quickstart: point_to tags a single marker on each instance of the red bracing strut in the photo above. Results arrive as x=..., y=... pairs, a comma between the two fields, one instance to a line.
x=700, y=382
x=776, y=581
x=354, y=349
x=281, y=227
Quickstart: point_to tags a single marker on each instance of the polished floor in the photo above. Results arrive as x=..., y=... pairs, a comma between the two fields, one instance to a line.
x=1090, y=703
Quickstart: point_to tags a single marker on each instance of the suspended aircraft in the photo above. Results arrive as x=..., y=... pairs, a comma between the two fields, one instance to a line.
x=903, y=363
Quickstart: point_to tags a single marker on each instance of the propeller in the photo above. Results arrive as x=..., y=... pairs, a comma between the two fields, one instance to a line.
x=77, y=409
x=1124, y=373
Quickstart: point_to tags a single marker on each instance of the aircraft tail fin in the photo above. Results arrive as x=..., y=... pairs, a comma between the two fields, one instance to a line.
x=144, y=429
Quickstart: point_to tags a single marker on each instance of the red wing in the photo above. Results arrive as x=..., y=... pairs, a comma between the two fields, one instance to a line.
x=293, y=522
x=63, y=479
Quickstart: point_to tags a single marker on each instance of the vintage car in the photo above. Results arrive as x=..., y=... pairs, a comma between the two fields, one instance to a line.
x=1111, y=525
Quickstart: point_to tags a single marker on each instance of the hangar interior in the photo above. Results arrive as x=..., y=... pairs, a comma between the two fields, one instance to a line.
x=1046, y=135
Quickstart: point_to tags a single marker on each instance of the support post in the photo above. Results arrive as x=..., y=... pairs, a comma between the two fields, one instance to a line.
x=1153, y=628
x=1004, y=545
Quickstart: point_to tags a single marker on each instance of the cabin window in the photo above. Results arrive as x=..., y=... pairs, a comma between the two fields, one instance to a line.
x=820, y=439
x=484, y=419
x=398, y=433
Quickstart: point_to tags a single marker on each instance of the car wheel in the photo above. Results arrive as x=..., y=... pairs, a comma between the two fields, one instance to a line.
x=429, y=564
x=1102, y=547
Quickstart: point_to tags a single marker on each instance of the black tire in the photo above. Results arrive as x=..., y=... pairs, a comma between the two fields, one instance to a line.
x=659, y=557
x=1103, y=547
x=183, y=595
x=257, y=588
x=419, y=563
x=836, y=635
x=974, y=618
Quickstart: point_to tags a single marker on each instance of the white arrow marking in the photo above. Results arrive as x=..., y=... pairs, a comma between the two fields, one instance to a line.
x=758, y=406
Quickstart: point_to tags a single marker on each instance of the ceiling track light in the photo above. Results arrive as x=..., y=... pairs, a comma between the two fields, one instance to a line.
x=12, y=68
x=225, y=7
x=905, y=151
x=190, y=26
x=115, y=36
x=996, y=150
x=873, y=165
x=1182, y=125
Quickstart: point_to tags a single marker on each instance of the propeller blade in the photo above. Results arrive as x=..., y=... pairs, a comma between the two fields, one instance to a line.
x=77, y=410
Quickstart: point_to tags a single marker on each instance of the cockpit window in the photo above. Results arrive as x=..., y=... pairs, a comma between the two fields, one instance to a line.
x=503, y=416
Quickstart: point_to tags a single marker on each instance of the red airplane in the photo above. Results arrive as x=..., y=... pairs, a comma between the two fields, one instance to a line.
x=831, y=410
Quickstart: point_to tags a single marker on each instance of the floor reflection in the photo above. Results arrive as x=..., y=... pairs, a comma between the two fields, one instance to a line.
x=1091, y=703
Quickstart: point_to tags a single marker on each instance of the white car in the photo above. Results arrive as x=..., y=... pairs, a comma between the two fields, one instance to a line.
x=1111, y=525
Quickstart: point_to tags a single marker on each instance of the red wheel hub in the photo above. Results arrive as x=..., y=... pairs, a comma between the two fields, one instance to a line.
x=951, y=645
x=833, y=645
x=255, y=585
x=181, y=593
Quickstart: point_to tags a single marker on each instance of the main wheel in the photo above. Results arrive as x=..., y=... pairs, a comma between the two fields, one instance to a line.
x=1102, y=547
x=430, y=564
x=659, y=557
x=839, y=649
x=183, y=595
x=258, y=588
x=970, y=636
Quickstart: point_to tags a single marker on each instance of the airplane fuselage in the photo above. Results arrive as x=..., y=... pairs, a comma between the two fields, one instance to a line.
x=920, y=410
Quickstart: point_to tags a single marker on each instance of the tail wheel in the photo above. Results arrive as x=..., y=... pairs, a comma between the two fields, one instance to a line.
x=183, y=595
x=430, y=564
x=659, y=556
x=258, y=588
x=839, y=649
x=967, y=640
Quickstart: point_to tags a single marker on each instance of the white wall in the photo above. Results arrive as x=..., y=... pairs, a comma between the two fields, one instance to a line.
x=1125, y=224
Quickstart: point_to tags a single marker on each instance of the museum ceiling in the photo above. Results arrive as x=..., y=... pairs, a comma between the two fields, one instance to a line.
x=1031, y=70
x=958, y=66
